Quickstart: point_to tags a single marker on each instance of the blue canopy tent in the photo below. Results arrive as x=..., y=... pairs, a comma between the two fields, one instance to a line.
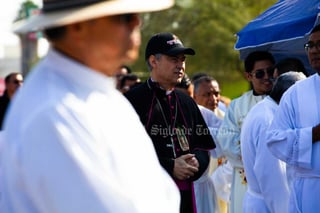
x=282, y=30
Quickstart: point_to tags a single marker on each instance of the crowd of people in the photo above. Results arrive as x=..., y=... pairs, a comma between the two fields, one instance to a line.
x=85, y=134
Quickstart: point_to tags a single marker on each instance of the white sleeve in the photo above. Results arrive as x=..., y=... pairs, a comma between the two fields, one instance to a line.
x=285, y=139
x=229, y=137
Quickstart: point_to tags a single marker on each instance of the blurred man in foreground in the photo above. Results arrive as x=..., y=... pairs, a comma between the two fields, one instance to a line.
x=66, y=147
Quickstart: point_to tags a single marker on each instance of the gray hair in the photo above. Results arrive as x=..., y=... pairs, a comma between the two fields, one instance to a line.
x=158, y=56
x=199, y=81
x=283, y=82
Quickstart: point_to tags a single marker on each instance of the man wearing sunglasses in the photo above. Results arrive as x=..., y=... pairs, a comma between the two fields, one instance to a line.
x=259, y=72
x=73, y=143
x=13, y=82
x=294, y=134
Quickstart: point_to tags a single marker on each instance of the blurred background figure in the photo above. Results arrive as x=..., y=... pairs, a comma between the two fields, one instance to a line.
x=223, y=102
x=207, y=94
x=205, y=193
x=128, y=81
x=12, y=83
x=123, y=70
x=289, y=64
x=198, y=75
x=2, y=86
x=185, y=85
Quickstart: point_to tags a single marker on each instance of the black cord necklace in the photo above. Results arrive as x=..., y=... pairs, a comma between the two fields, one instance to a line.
x=171, y=130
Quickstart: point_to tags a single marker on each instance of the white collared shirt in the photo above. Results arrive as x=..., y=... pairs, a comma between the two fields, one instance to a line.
x=73, y=143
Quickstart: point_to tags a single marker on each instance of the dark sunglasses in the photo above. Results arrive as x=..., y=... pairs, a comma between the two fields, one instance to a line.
x=17, y=82
x=311, y=45
x=260, y=73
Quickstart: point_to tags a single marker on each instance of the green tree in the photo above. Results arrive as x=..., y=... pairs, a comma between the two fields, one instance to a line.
x=26, y=10
x=209, y=27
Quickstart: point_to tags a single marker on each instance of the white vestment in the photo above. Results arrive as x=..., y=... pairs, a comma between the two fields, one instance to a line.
x=268, y=189
x=229, y=140
x=290, y=139
x=73, y=143
x=205, y=194
x=222, y=178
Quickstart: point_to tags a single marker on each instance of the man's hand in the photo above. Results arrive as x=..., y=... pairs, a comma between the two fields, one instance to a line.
x=185, y=166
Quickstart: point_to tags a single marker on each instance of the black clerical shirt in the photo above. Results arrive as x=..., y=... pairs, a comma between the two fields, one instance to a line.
x=174, y=123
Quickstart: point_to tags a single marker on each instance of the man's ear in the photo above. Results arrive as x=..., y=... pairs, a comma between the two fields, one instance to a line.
x=248, y=76
x=153, y=60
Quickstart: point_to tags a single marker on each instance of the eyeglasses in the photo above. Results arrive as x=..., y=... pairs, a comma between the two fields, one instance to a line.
x=260, y=73
x=308, y=46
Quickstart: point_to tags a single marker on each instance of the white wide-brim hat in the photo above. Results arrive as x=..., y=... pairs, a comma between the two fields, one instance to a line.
x=62, y=12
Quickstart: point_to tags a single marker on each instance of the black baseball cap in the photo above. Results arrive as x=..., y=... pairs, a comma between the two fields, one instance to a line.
x=167, y=44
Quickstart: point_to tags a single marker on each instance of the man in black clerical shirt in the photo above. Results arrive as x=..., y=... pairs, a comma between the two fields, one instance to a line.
x=172, y=118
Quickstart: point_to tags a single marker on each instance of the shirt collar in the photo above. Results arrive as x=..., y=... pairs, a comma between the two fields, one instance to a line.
x=79, y=73
x=155, y=84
